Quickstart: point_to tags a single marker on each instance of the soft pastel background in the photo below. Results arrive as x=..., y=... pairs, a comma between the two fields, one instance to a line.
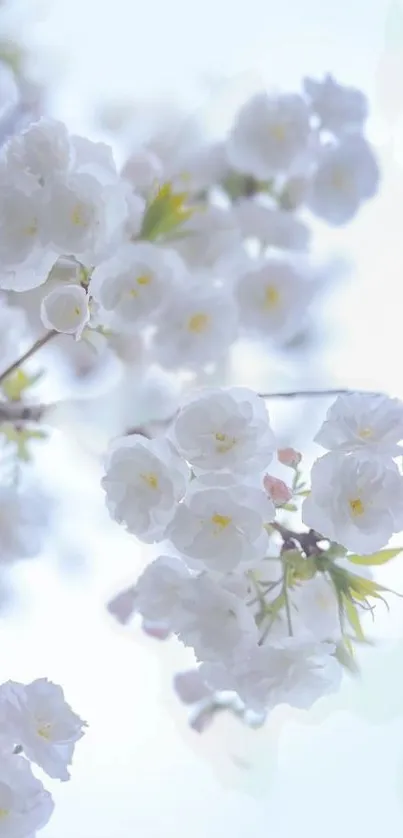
x=140, y=771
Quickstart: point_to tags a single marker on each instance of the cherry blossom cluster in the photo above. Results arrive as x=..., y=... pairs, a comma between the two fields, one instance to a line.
x=36, y=726
x=271, y=612
x=185, y=255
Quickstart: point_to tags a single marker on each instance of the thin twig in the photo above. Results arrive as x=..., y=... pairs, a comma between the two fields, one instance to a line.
x=294, y=394
x=17, y=412
x=34, y=348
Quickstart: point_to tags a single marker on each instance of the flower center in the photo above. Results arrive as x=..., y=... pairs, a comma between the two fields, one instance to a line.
x=78, y=216
x=4, y=813
x=221, y=522
x=44, y=730
x=150, y=479
x=144, y=279
x=278, y=132
x=198, y=323
x=225, y=443
x=356, y=506
x=271, y=297
x=365, y=433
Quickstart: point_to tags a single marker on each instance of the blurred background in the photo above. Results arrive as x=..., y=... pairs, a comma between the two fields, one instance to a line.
x=106, y=69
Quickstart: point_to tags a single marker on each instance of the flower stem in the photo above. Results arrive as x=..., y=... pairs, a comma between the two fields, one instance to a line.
x=31, y=351
x=287, y=601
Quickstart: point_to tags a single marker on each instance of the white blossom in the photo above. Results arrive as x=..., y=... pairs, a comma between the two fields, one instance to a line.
x=214, y=621
x=211, y=234
x=65, y=309
x=293, y=670
x=314, y=606
x=159, y=591
x=25, y=806
x=85, y=217
x=354, y=501
x=39, y=154
x=143, y=169
x=134, y=283
x=347, y=175
x=43, y=724
x=338, y=107
x=224, y=429
x=366, y=422
x=269, y=134
x=196, y=327
x=222, y=528
x=274, y=297
x=144, y=480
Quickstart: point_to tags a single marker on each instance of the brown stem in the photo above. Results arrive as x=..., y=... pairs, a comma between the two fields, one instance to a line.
x=17, y=412
x=34, y=348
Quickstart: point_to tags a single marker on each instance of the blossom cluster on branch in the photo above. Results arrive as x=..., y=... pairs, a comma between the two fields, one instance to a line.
x=271, y=613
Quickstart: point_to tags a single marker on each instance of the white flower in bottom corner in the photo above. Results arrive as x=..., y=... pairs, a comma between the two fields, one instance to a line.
x=25, y=805
x=144, y=481
x=43, y=724
x=222, y=528
x=292, y=670
x=228, y=428
x=355, y=502
x=65, y=309
x=372, y=424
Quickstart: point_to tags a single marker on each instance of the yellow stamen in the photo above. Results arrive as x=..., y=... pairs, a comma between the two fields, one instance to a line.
x=198, y=323
x=221, y=522
x=271, y=297
x=4, y=813
x=77, y=311
x=144, y=279
x=356, y=506
x=226, y=443
x=365, y=433
x=44, y=731
x=31, y=229
x=278, y=132
x=150, y=479
x=77, y=216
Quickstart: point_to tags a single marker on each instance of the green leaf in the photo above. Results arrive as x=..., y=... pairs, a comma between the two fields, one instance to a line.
x=21, y=438
x=376, y=558
x=353, y=618
x=344, y=654
x=15, y=384
x=166, y=212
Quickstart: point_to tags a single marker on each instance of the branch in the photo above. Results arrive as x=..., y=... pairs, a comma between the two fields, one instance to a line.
x=34, y=348
x=324, y=393
x=16, y=412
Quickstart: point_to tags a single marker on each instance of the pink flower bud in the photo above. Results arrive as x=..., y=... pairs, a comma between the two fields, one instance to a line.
x=277, y=490
x=289, y=457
